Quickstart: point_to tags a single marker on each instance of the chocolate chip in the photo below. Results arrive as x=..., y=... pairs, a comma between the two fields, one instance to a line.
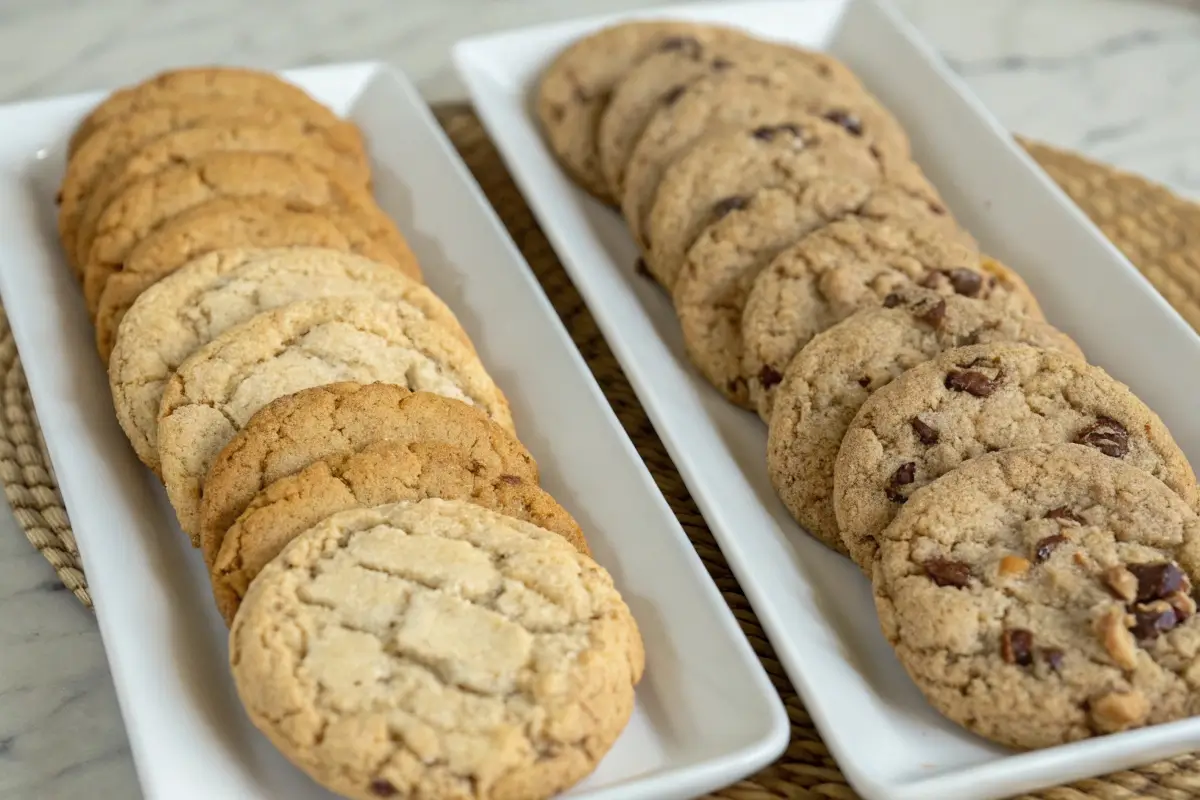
x=1150, y=621
x=381, y=787
x=1046, y=547
x=945, y=572
x=723, y=207
x=905, y=474
x=926, y=433
x=973, y=383
x=864, y=381
x=721, y=63
x=511, y=479
x=892, y=300
x=1064, y=514
x=768, y=376
x=934, y=315
x=851, y=123
x=1106, y=435
x=965, y=281
x=671, y=95
x=641, y=269
x=1016, y=647
x=1156, y=581
x=768, y=132
x=1054, y=657
x=734, y=385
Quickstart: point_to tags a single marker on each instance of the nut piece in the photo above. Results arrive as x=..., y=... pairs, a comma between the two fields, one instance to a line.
x=1183, y=604
x=1121, y=582
x=1014, y=565
x=1117, y=639
x=1117, y=711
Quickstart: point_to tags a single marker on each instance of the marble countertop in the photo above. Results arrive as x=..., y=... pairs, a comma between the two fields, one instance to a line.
x=1115, y=79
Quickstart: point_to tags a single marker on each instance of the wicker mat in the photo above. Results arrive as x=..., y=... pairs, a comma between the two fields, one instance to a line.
x=1157, y=230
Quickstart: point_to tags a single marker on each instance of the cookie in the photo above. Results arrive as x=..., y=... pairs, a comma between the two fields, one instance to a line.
x=180, y=147
x=384, y=472
x=310, y=343
x=188, y=309
x=646, y=86
x=114, y=142
x=1042, y=596
x=436, y=649
x=149, y=202
x=575, y=88
x=974, y=400
x=235, y=222
x=197, y=84
x=744, y=101
x=291, y=433
x=853, y=264
x=830, y=378
x=720, y=267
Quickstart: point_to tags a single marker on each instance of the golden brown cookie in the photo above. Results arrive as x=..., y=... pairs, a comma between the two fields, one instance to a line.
x=291, y=433
x=383, y=472
x=436, y=650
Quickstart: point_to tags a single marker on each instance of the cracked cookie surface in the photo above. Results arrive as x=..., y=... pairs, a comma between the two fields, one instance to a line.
x=436, y=649
x=189, y=308
x=1044, y=595
x=289, y=434
x=829, y=380
x=978, y=399
x=309, y=343
x=381, y=473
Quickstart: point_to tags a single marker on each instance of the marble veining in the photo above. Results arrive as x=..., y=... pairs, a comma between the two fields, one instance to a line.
x=1116, y=79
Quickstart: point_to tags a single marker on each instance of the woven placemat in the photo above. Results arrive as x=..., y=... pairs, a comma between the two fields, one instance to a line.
x=1157, y=230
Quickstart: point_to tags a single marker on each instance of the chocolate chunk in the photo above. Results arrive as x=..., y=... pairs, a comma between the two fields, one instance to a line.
x=512, y=480
x=971, y=382
x=381, y=787
x=864, y=381
x=641, y=269
x=926, y=433
x=965, y=281
x=851, y=123
x=723, y=207
x=1016, y=647
x=1106, y=435
x=671, y=95
x=905, y=474
x=1053, y=656
x=934, y=315
x=1046, y=547
x=892, y=300
x=1156, y=581
x=768, y=376
x=945, y=572
x=1064, y=514
x=1152, y=620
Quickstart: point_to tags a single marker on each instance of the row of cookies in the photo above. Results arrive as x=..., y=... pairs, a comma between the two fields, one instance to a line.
x=305, y=399
x=820, y=281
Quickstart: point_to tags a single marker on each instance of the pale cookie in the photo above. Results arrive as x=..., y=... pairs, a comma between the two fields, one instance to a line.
x=116, y=141
x=233, y=222
x=978, y=399
x=436, y=650
x=640, y=93
x=740, y=100
x=289, y=137
x=720, y=268
x=293, y=432
x=193, y=84
x=384, y=472
x=188, y=309
x=847, y=266
x=1041, y=596
x=151, y=201
x=310, y=343
x=829, y=380
x=575, y=88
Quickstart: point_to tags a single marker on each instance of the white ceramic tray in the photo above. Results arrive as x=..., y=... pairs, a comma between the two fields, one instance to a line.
x=706, y=713
x=815, y=606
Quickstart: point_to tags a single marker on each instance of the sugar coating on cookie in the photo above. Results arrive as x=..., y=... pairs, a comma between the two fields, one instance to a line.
x=975, y=400
x=310, y=343
x=436, y=649
x=383, y=472
x=829, y=380
x=1041, y=596
x=189, y=308
x=291, y=433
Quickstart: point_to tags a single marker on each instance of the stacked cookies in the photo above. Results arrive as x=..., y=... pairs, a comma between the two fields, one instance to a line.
x=411, y=614
x=1028, y=524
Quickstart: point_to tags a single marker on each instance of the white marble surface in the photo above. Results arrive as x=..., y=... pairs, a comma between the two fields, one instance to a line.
x=1118, y=79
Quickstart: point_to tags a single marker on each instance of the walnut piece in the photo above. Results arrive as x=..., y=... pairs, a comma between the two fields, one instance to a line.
x=1116, y=638
x=1121, y=582
x=1014, y=565
x=1117, y=711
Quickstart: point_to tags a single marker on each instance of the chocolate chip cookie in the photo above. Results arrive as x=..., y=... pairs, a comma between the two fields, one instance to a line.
x=1045, y=595
x=846, y=266
x=833, y=375
x=978, y=399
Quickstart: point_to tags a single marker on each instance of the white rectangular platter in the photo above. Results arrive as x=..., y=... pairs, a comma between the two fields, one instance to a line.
x=816, y=606
x=706, y=713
